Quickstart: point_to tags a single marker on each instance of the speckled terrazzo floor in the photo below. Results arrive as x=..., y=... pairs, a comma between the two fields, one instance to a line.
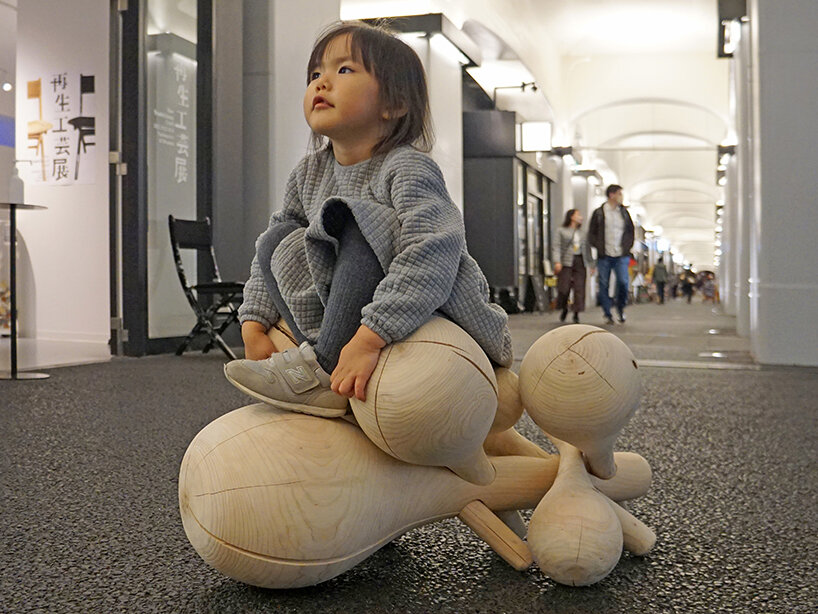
x=89, y=520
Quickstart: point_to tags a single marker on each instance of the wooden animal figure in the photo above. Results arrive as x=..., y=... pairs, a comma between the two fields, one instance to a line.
x=283, y=500
x=581, y=384
x=432, y=400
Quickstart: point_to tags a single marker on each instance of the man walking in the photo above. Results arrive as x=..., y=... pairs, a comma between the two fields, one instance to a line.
x=611, y=233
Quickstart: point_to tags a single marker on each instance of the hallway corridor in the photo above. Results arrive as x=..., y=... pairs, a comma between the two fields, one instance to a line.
x=89, y=518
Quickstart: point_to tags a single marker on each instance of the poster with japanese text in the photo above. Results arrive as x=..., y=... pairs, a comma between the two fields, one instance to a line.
x=60, y=123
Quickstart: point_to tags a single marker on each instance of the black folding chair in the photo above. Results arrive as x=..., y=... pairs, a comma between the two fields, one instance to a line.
x=215, y=302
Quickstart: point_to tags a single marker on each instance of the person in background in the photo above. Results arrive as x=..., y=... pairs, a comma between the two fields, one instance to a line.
x=571, y=255
x=660, y=279
x=687, y=279
x=611, y=233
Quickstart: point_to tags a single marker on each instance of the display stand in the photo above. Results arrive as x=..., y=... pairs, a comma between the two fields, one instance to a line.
x=12, y=208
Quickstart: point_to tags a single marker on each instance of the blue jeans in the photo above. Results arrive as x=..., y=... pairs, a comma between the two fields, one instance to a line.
x=619, y=264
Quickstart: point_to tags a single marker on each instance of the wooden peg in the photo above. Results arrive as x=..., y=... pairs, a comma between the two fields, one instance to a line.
x=637, y=537
x=581, y=384
x=632, y=479
x=514, y=521
x=502, y=539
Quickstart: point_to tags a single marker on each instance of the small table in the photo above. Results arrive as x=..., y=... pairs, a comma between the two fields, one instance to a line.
x=13, y=207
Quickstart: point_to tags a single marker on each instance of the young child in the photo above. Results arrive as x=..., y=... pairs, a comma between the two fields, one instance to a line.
x=368, y=245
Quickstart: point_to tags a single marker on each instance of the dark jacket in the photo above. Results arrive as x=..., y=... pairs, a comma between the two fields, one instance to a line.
x=596, y=232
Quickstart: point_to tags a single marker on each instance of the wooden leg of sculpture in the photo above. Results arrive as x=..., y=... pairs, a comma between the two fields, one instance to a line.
x=637, y=537
x=574, y=534
x=503, y=540
x=514, y=521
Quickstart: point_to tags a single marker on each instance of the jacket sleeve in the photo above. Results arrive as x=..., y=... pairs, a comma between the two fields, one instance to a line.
x=594, y=230
x=257, y=305
x=431, y=241
x=556, y=249
x=588, y=256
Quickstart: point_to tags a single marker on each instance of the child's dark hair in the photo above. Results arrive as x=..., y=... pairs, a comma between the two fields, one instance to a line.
x=400, y=76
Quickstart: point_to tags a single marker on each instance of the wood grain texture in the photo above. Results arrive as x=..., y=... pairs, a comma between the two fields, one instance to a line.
x=581, y=384
x=509, y=403
x=632, y=480
x=637, y=538
x=574, y=533
x=281, y=336
x=431, y=401
x=281, y=500
x=502, y=538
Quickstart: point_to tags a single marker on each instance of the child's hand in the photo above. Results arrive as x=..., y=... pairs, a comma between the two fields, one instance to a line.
x=257, y=345
x=356, y=363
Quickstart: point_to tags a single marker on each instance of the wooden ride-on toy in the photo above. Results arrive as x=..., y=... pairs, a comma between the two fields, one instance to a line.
x=282, y=500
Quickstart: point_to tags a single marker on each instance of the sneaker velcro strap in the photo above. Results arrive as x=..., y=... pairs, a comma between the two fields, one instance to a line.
x=295, y=371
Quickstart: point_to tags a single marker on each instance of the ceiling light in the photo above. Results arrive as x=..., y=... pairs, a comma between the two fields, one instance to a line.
x=7, y=87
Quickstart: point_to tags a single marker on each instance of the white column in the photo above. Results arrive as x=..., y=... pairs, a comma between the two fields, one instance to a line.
x=731, y=250
x=745, y=181
x=278, y=38
x=444, y=79
x=784, y=280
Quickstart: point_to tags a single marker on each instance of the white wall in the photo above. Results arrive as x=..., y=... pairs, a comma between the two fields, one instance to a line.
x=68, y=243
x=8, y=38
x=444, y=80
x=275, y=131
x=784, y=278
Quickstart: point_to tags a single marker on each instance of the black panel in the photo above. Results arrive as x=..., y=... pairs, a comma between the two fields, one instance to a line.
x=488, y=134
x=474, y=98
x=134, y=184
x=488, y=213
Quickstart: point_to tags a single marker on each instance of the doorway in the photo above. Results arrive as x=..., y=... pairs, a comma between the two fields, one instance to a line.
x=161, y=139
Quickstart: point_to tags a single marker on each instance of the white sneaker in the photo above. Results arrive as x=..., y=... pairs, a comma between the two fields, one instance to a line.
x=291, y=380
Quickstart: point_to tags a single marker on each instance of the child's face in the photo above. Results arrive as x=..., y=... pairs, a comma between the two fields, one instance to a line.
x=341, y=101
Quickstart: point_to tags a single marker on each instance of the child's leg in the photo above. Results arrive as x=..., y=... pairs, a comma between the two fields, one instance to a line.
x=356, y=275
x=267, y=245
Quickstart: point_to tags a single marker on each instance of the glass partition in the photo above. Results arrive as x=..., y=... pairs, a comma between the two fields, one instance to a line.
x=171, y=33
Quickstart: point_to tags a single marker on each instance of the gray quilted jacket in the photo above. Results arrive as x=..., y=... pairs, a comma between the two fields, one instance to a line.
x=400, y=203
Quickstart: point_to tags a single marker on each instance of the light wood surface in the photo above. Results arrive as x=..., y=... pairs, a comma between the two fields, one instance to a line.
x=632, y=479
x=281, y=336
x=581, y=384
x=574, y=533
x=509, y=403
x=502, y=538
x=637, y=537
x=431, y=401
x=281, y=500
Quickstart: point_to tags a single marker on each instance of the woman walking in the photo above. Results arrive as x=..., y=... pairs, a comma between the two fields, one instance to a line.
x=571, y=255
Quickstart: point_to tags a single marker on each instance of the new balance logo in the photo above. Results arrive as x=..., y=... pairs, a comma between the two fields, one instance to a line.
x=298, y=374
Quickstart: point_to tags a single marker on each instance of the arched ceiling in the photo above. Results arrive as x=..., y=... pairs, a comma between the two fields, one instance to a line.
x=635, y=83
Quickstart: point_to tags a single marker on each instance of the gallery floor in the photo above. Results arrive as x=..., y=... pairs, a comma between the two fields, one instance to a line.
x=89, y=518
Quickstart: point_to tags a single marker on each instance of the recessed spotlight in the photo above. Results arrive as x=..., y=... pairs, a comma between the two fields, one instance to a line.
x=7, y=87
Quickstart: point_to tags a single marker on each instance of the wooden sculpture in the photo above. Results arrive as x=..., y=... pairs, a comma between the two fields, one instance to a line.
x=576, y=533
x=282, y=500
x=431, y=401
x=580, y=384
